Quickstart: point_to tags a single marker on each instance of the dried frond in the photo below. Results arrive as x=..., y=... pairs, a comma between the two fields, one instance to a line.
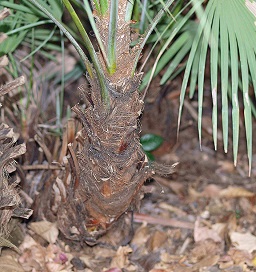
x=9, y=197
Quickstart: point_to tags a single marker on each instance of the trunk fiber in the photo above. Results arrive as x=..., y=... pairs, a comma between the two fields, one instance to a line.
x=110, y=168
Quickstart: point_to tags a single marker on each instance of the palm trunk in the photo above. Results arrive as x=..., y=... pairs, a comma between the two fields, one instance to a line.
x=112, y=164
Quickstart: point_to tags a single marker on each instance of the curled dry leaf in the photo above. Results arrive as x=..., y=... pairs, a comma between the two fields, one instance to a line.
x=3, y=60
x=240, y=257
x=4, y=13
x=114, y=270
x=141, y=235
x=158, y=270
x=204, y=249
x=208, y=261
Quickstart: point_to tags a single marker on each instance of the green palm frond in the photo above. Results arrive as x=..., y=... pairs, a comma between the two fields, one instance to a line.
x=227, y=30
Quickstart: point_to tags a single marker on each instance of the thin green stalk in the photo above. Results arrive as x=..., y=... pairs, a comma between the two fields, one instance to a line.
x=31, y=70
x=143, y=16
x=28, y=26
x=41, y=44
x=112, y=36
x=60, y=95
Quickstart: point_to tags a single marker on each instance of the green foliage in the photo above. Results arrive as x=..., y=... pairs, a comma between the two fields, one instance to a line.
x=101, y=6
x=25, y=17
x=176, y=35
x=227, y=29
x=150, y=142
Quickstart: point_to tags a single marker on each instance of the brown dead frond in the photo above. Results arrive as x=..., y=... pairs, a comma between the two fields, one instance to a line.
x=9, y=197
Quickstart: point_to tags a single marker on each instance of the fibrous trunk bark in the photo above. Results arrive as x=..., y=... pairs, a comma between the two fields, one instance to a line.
x=110, y=169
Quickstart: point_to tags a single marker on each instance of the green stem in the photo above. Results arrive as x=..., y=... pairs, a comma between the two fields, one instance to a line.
x=112, y=36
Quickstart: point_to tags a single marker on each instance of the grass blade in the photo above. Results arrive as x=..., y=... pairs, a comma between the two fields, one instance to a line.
x=129, y=9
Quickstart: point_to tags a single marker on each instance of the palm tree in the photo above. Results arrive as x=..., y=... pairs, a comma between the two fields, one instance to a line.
x=108, y=171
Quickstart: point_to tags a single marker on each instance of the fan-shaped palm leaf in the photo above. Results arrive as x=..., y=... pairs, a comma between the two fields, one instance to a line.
x=227, y=29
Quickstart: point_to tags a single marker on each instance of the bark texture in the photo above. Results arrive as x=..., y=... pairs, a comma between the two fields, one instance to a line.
x=111, y=165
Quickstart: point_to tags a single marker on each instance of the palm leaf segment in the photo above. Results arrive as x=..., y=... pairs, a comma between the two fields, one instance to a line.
x=227, y=29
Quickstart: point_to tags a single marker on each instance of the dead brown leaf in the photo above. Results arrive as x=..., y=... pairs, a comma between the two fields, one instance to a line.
x=204, y=249
x=225, y=167
x=204, y=233
x=208, y=261
x=158, y=270
x=211, y=191
x=156, y=240
x=120, y=260
x=141, y=235
x=240, y=257
x=113, y=270
x=243, y=241
x=46, y=230
x=50, y=258
x=232, y=192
